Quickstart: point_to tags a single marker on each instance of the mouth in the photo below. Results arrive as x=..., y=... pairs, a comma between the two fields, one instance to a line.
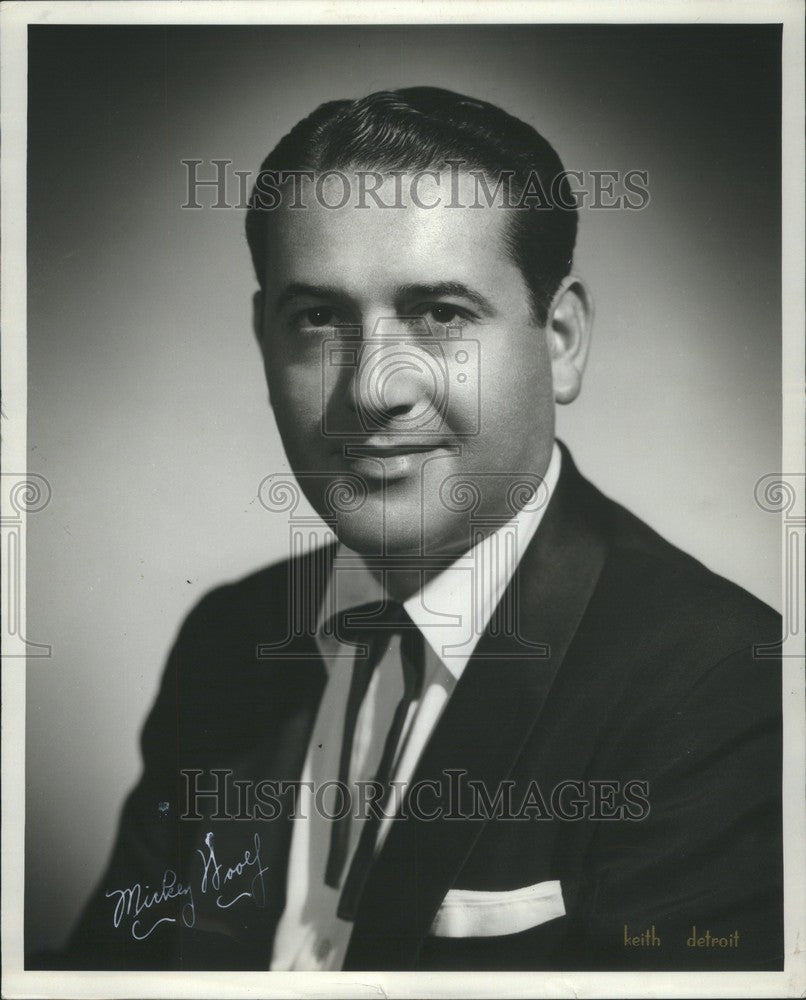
x=382, y=461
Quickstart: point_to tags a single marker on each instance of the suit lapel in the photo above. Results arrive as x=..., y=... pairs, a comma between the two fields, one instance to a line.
x=484, y=727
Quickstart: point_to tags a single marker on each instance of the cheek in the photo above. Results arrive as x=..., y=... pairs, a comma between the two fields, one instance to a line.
x=296, y=390
x=516, y=391
x=295, y=399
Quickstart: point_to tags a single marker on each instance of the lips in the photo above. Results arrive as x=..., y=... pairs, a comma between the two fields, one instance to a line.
x=385, y=450
x=389, y=460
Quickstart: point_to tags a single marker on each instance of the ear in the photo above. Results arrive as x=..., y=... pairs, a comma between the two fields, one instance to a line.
x=257, y=316
x=568, y=331
x=258, y=300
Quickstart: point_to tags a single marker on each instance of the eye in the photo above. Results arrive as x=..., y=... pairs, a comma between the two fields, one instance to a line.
x=316, y=318
x=321, y=316
x=446, y=314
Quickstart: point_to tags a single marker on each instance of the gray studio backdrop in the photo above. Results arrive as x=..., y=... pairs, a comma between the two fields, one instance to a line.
x=147, y=408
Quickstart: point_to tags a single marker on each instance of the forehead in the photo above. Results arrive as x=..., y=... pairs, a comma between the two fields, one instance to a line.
x=361, y=241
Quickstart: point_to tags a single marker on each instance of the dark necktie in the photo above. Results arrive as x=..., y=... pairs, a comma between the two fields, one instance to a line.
x=372, y=632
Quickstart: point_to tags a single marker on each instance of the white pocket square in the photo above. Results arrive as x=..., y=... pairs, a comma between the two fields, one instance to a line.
x=469, y=913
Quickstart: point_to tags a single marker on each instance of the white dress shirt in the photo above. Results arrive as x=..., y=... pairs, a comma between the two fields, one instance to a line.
x=452, y=609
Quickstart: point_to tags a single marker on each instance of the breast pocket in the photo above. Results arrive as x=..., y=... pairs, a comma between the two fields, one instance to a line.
x=470, y=913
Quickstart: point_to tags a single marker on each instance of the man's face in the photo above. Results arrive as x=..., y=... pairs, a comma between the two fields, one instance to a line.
x=402, y=357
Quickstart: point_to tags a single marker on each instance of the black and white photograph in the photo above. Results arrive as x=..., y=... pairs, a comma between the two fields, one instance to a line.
x=403, y=499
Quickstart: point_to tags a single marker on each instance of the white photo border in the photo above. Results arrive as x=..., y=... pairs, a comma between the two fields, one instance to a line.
x=15, y=17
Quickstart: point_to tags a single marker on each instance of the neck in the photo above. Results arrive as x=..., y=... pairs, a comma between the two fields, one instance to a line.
x=402, y=574
x=399, y=581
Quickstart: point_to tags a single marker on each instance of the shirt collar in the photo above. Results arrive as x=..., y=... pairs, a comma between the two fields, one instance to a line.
x=454, y=606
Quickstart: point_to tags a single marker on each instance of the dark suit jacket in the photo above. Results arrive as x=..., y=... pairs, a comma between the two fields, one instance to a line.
x=650, y=675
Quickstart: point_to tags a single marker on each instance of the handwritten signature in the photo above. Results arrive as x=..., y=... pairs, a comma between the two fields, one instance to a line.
x=132, y=901
x=213, y=877
x=223, y=880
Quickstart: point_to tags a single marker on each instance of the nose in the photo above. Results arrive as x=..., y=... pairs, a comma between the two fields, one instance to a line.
x=398, y=382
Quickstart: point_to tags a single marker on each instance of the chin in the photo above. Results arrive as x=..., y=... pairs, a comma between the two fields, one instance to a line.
x=367, y=537
x=403, y=534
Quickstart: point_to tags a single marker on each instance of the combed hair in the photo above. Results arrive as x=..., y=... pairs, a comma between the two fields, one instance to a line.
x=422, y=128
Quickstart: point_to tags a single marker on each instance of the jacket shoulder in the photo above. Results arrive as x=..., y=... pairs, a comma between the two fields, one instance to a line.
x=671, y=592
x=261, y=601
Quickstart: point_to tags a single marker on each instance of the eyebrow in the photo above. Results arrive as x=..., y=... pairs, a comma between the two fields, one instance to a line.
x=298, y=289
x=404, y=294
x=442, y=288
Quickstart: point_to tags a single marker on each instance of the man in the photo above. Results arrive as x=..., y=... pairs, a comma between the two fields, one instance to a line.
x=494, y=722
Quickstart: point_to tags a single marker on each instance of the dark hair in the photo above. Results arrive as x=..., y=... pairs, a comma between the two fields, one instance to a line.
x=421, y=128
